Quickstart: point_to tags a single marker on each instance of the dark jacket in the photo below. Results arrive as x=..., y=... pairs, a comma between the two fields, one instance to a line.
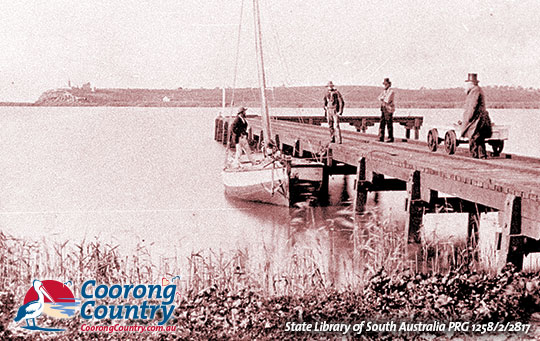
x=475, y=117
x=334, y=100
x=239, y=128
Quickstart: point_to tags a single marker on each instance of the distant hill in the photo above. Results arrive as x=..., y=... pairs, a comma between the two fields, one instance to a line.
x=308, y=96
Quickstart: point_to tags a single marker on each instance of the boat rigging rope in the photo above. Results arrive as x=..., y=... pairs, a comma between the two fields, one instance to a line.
x=282, y=60
x=257, y=47
x=315, y=154
x=273, y=169
x=284, y=63
x=276, y=183
x=237, y=53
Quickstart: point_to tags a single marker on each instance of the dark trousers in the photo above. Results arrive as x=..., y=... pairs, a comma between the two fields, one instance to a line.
x=477, y=146
x=333, y=125
x=386, y=121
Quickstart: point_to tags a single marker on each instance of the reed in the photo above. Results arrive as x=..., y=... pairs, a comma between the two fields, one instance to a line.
x=375, y=244
x=318, y=269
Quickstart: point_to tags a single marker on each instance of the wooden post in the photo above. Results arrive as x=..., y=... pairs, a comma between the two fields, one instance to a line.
x=298, y=152
x=329, y=158
x=278, y=143
x=378, y=180
x=323, y=193
x=433, y=198
x=473, y=225
x=407, y=133
x=508, y=250
x=416, y=133
x=225, y=132
x=415, y=209
x=261, y=140
x=361, y=187
x=218, y=128
x=220, y=131
x=292, y=190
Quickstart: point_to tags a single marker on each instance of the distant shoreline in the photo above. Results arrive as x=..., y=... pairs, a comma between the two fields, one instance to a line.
x=17, y=104
x=497, y=97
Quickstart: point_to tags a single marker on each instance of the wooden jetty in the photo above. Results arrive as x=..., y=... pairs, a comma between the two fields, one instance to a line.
x=361, y=123
x=508, y=184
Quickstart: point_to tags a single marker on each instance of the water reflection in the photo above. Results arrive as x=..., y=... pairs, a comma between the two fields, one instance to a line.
x=307, y=245
x=342, y=249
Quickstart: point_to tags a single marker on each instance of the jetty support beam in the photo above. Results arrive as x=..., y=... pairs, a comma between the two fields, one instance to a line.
x=509, y=241
x=362, y=186
x=298, y=151
x=218, y=128
x=415, y=209
x=323, y=193
x=473, y=224
x=225, y=133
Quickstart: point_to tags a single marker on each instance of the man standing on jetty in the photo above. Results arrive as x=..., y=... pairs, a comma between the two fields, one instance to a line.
x=387, y=111
x=476, y=124
x=333, y=108
x=240, y=135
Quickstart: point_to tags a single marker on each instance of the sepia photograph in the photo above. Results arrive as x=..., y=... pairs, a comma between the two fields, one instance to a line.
x=270, y=170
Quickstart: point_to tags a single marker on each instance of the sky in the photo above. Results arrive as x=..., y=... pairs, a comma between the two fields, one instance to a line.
x=168, y=44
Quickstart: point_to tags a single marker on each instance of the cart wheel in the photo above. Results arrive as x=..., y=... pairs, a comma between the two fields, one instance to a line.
x=497, y=146
x=450, y=142
x=433, y=139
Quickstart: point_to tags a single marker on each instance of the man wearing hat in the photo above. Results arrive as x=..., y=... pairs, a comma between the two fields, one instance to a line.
x=387, y=111
x=333, y=108
x=239, y=130
x=476, y=124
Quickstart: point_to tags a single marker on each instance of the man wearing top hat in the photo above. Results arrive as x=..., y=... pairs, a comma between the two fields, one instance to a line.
x=239, y=130
x=387, y=111
x=333, y=108
x=476, y=124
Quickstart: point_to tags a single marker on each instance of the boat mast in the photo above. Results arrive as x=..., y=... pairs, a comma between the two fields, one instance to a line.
x=223, y=104
x=262, y=78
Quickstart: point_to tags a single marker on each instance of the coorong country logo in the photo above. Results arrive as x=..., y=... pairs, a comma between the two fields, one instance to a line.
x=50, y=297
x=56, y=299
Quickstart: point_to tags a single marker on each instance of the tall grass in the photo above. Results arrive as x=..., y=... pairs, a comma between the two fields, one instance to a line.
x=373, y=244
x=375, y=252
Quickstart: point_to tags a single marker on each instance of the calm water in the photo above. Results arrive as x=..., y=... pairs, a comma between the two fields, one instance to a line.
x=151, y=176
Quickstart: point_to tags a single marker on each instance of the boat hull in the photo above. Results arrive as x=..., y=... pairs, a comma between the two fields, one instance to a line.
x=267, y=185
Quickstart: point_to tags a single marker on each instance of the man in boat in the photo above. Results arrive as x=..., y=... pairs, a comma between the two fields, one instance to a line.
x=387, y=111
x=272, y=151
x=240, y=136
x=476, y=124
x=333, y=108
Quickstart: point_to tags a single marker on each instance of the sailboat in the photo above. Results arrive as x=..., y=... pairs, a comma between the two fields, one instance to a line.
x=267, y=181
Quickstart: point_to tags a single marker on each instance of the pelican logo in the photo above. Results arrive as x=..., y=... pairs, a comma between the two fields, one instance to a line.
x=50, y=297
